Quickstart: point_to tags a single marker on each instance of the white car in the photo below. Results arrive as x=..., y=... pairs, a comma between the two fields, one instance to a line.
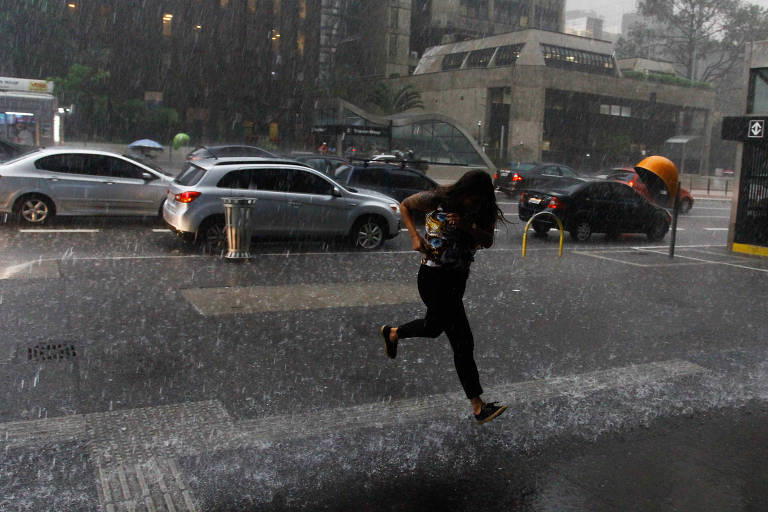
x=38, y=185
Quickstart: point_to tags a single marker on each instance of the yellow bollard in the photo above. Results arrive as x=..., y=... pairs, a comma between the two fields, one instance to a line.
x=559, y=225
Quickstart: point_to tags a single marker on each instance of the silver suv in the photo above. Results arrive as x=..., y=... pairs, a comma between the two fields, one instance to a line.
x=291, y=199
x=48, y=182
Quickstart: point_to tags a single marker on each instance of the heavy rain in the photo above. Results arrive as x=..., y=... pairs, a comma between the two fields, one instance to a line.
x=506, y=255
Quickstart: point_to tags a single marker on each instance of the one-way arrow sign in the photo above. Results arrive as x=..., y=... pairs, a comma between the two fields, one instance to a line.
x=756, y=128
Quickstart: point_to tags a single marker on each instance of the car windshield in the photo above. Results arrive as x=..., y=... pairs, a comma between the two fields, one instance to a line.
x=483, y=315
x=522, y=167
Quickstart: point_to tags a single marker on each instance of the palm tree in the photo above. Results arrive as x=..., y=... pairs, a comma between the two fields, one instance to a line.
x=387, y=101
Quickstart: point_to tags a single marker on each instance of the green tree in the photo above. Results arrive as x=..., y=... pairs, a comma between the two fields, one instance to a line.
x=86, y=89
x=388, y=101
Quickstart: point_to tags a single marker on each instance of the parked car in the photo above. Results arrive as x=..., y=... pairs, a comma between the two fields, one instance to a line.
x=292, y=199
x=49, y=182
x=10, y=150
x=630, y=176
x=205, y=152
x=325, y=164
x=393, y=180
x=595, y=206
x=521, y=176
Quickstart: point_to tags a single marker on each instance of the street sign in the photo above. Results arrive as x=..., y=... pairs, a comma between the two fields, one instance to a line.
x=749, y=129
x=368, y=131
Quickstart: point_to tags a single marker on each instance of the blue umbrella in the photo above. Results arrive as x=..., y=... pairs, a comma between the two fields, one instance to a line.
x=145, y=144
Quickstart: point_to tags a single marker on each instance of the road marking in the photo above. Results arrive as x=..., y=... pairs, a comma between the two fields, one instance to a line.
x=595, y=254
x=38, y=269
x=715, y=229
x=746, y=267
x=706, y=217
x=298, y=297
x=711, y=208
x=158, y=230
x=59, y=230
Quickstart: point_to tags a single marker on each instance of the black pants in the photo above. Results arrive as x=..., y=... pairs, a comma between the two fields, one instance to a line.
x=442, y=291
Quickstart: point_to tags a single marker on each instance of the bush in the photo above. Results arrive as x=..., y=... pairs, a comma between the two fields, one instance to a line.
x=665, y=79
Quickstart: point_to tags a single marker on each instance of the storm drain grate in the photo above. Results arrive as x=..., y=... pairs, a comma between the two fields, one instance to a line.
x=51, y=351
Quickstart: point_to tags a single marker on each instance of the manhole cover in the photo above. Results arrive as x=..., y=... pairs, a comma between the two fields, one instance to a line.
x=51, y=351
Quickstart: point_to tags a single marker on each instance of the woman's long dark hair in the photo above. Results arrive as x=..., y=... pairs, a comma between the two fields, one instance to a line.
x=476, y=183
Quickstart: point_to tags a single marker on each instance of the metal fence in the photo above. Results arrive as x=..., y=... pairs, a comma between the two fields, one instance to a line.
x=709, y=185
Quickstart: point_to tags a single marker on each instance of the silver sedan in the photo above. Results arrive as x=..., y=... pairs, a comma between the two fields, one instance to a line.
x=49, y=182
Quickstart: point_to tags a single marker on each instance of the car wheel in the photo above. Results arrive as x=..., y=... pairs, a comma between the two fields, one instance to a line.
x=212, y=233
x=685, y=205
x=581, y=231
x=658, y=229
x=369, y=233
x=34, y=209
x=541, y=229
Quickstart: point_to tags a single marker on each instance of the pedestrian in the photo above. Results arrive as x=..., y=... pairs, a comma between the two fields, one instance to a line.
x=323, y=149
x=460, y=219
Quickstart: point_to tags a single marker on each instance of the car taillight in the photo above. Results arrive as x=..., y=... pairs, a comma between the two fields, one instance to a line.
x=496, y=176
x=517, y=177
x=631, y=183
x=186, y=197
x=554, y=203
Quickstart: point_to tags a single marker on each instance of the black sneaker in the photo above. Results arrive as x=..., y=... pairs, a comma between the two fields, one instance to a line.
x=391, y=346
x=489, y=411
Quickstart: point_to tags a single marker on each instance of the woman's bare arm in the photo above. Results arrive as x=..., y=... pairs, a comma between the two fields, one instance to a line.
x=421, y=202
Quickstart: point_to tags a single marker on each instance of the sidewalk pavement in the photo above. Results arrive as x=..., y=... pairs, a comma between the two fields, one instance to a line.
x=712, y=462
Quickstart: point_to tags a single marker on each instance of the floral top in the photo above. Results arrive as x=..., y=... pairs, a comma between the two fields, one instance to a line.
x=450, y=248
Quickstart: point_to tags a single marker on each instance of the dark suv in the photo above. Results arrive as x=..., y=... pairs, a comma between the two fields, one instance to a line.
x=393, y=180
x=595, y=207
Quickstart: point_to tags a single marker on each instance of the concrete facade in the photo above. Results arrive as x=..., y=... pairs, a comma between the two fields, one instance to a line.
x=464, y=92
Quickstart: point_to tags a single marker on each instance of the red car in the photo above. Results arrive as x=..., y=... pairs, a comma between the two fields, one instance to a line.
x=629, y=176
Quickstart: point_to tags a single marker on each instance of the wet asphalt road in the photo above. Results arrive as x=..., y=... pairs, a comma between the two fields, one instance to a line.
x=283, y=409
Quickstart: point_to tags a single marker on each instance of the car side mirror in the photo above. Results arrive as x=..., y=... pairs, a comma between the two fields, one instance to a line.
x=336, y=192
x=148, y=176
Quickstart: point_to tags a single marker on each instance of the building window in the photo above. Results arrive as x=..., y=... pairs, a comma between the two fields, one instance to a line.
x=453, y=60
x=758, y=91
x=276, y=8
x=393, y=45
x=480, y=58
x=302, y=9
x=393, y=21
x=508, y=55
x=224, y=3
x=167, y=24
x=300, y=41
x=578, y=60
x=252, y=6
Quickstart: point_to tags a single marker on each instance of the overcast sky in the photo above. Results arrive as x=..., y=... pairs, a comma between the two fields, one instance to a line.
x=612, y=10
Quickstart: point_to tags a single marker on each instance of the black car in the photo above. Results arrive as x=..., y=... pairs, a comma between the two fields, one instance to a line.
x=595, y=207
x=323, y=163
x=522, y=176
x=393, y=180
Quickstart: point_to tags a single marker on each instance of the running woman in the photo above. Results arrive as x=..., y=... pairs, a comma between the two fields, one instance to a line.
x=459, y=220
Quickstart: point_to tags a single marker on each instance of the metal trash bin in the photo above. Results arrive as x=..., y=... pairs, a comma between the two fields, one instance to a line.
x=238, y=212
